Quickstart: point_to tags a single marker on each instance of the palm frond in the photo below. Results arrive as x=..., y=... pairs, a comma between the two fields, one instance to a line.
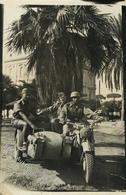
x=60, y=39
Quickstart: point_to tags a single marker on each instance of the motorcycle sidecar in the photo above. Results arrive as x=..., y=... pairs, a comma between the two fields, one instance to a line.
x=48, y=145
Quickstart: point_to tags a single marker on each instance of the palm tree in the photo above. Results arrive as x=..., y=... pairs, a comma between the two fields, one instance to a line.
x=61, y=40
x=114, y=72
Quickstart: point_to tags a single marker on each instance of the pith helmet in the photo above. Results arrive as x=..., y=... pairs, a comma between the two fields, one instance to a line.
x=75, y=94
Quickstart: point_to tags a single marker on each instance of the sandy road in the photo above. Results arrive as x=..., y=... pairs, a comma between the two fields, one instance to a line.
x=109, y=166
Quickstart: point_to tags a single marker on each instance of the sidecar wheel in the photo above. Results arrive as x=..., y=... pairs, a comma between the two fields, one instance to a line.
x=88, y=164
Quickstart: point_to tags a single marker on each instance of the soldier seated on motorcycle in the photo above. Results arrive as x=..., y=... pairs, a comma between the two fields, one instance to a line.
x=24, y=114
x=56, y=110
x=74, y=113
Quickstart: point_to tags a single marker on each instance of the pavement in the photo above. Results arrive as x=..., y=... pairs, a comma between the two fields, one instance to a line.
x=113, y=128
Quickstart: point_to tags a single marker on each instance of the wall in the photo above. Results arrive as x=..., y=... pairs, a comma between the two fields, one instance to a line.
x=16, y=69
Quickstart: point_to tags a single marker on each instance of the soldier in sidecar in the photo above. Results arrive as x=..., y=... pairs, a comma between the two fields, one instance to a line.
x=55, y=111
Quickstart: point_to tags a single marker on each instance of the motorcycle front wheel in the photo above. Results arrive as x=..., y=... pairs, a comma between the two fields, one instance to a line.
x=88, y=166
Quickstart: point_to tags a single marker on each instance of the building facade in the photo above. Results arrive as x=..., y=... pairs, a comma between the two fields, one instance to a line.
x=89, y=86
x=16, y=69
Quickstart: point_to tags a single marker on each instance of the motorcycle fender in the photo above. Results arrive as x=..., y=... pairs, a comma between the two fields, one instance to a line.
x=86, y=146
x=66, y=151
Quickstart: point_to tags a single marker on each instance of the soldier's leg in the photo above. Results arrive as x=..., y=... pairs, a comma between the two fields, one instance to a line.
x=21, y=125
x=53, y=124
x=20, y=138
x=56, y=126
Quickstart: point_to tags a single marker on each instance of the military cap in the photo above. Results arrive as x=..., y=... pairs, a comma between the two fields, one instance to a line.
x=75, y=94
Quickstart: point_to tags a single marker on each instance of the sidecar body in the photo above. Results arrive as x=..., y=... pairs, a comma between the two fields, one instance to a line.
x=48, y=145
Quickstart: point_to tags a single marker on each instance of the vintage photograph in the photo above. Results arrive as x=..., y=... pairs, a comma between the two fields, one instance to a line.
x=63, y=98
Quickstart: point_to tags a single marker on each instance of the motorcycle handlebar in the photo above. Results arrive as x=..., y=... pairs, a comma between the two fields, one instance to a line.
x=42, y=129
x=96, y=121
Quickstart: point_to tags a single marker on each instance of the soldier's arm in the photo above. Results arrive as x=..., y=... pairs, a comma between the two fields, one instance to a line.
x=53, y=108
x=49, y=109
x=91, y=115
x=84, y=118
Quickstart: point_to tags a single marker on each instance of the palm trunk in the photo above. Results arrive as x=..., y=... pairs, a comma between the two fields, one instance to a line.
x=38, y=83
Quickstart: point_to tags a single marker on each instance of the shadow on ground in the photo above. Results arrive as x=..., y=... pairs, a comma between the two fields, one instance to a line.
x=109, y=174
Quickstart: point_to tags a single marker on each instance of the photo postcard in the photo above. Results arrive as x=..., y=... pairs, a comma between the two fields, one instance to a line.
x=63, y=97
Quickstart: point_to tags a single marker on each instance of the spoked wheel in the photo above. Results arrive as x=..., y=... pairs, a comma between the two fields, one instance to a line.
x=18, y=143
x=88, y=165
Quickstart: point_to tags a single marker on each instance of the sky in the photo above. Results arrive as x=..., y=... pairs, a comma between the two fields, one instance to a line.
x=12, y=11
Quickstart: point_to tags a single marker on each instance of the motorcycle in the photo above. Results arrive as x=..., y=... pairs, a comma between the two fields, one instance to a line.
x=77, y=147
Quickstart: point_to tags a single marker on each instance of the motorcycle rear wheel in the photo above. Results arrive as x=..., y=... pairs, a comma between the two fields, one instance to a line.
x=88, y=166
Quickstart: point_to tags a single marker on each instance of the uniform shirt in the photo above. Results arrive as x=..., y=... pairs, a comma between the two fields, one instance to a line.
x=76, y=113
x=25, y=107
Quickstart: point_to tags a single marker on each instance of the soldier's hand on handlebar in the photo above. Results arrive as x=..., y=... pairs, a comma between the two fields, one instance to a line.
x=100, y=119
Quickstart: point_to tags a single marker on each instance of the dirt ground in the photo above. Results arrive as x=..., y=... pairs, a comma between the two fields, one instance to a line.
x=109, y=172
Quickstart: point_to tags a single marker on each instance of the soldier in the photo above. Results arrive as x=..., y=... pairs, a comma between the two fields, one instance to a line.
x=74, y=113
x=23, y=115
x=56, y=110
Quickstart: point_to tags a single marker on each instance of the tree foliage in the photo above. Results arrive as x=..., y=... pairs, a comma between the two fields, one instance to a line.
x=113, y=72
x=10, y=91
x=60, y=41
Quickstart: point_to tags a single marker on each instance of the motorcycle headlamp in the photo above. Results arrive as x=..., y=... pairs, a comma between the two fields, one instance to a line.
x=85, y=133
